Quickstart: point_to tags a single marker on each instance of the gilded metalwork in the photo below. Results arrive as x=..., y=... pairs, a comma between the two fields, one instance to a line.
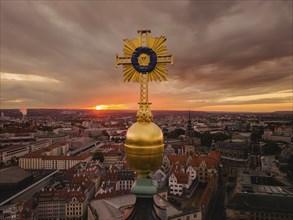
x=144, y=53
x=156, y=44
x=144, y=60
x=144, y=147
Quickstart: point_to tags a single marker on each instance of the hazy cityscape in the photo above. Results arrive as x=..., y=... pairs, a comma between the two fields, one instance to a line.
x=70, y=164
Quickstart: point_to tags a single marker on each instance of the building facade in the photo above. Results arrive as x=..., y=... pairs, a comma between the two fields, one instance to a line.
x=182, y=182
x=234, y=153
x=13, y=152
x=52, y=158
x=51, y=204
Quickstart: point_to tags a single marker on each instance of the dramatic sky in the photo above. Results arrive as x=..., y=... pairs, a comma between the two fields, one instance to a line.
x=228, y=56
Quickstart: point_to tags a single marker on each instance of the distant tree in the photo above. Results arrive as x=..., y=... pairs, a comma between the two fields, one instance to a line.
x=26, y=124
x=221, y=137
x=165, y=132
x=118, y=139
x=271, y=147
x=256, y=133
x=290, y=161
x=13, y=162
x=284, y=168
x=247, y=127
x=105, y=134
x=98, y=156
x=176, y=133
x=271, y=127
x=288, y=169
x=206, y=139
x=197, y=134
x=47, y=128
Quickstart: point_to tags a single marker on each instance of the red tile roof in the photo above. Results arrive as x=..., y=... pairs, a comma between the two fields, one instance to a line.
x=196, y=161
x=182, y=178
x=206, y=195
x=181, y=158
x=79, y=195
x=111, y=146
x=61, y=194
x=111, y=192
x=32, y=155
x=64, y=157
x=112, y=152
x=215, y=155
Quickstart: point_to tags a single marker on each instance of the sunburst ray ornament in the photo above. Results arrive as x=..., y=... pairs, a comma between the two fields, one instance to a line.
x=145, y=55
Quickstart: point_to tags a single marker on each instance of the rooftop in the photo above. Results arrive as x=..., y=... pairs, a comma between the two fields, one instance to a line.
x=258, y=182
x=247, y=201
x=13, y=147
x=110, y=208
x=13, y=175
x=258, y=191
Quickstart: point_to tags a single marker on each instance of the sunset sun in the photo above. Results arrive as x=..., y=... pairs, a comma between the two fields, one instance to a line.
x=101, y=107
x=109, y=107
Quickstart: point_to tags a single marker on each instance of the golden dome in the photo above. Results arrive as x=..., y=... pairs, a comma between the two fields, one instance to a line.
x=144, y=147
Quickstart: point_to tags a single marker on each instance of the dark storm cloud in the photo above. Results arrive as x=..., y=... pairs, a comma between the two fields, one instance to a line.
x=225, y=48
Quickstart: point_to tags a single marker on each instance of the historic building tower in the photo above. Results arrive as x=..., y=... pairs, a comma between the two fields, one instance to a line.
x=189, y=133
x=191, y=142
x=255, y=152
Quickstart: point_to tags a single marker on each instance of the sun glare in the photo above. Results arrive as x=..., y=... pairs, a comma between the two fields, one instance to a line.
x=109, y=107
x=101, y=107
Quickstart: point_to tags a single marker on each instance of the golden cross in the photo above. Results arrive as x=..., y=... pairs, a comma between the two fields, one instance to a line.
x=144, y=60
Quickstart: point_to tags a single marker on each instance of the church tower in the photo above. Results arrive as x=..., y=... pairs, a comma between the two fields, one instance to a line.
x=189, y=133
x=255, y=153
x=191, y=142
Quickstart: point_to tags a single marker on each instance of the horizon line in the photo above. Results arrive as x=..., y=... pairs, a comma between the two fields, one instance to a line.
x=104, y=110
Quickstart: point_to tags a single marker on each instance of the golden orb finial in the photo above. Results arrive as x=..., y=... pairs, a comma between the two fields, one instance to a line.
x=144, y=147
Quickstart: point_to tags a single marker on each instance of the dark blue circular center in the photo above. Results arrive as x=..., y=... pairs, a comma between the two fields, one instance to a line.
x=151, y=65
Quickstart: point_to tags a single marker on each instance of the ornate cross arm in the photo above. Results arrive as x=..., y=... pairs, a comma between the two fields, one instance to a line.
x=122, y=60
x=166, y=59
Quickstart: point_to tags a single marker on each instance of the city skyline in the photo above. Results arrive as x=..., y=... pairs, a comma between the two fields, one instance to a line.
x=229, y=56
